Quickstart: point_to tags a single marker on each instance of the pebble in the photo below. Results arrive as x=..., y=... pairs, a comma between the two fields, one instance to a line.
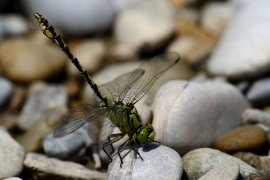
x=39, y=102
x=148, y=17
x=69, y=147
x=17, y=99
x=186, y=115
x=42, y=167
x=109, y=73
x=228, y=170
x=230, y=58
x=90, y=54
x=86, y=17
x=11, y=155
x=216, y=16
x=12, y=178
x=259, y=92
x=250, y=116
x=6, y=90
x=261, y=163
x=159, y=162
x=32, y=139
x=8, y=119
x=244, y=138
x=198, y=162
x=23, y=60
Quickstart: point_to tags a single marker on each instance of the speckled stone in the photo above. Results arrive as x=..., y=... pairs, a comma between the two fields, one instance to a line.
x=190, y=115
x=242, y=139
x=159, y=161
x=198, y=162
x=43, y=168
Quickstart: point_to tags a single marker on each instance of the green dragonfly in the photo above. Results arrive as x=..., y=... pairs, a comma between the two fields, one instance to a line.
x=115, y=99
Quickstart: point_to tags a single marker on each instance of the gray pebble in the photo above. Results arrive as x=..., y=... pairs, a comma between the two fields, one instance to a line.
x=228, y=170
x=39, y=102
x=250, y=116
x=12, y=24
x=159, y=162
x=243, y=51
x=85, y=17
x=200, y=161
x=12, y=178
x=188, y=115
x=6, y=90
x=259, y=93
x=11, y=155
x=43, y=167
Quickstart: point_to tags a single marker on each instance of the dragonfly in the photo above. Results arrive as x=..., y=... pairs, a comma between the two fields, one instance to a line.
x=115, y=99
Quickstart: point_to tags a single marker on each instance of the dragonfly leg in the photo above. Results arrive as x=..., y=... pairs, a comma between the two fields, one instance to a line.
x=112, y=136
x=136, y=150
x=117, y=138
x=157, y=142
x=120, y=148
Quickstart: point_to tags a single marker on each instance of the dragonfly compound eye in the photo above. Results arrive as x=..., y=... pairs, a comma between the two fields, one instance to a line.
x=143, y=135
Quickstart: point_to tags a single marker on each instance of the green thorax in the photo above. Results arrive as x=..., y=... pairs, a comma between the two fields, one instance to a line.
x=125, y=117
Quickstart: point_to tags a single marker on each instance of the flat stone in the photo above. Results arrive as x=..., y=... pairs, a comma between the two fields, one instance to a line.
x=160, y=162
x=11, y=155
x=40, y=101
x=190, y=115
x=43, y=168
x=230, y=58
x=228, y=170
x=244, y=138
x=198, y=162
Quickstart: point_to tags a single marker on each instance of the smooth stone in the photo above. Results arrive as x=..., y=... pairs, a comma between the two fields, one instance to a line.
x=84, y=18
x=17, y=99
x=90, y=54
x=29, y=60
x=261, y=163
x=32, y=139
x=198, y=162
x=6, y=90
x=228, y=170
x=259, y=92
x=192, y=49
x=230, y=58
x=159, y=162
x=109, y=73
x=244, y=138
x=148, y=16
x=12, y=24
x=189, y=115
x=42, y=167
x=12, y=178
x=216, y=16
x=11, y=155
x=69, y=147
x=39, y=102
x=8, y=119
x=251, y=116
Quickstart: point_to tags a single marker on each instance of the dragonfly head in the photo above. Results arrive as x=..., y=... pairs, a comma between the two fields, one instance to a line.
x=146, y=134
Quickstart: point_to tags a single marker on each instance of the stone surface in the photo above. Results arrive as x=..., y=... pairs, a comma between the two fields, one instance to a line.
x=216, y=16
x=158, y=161
x=43, y=168
x=69, y=147
x=90, y=54
x=12, y=24
x=250, y=116
x=6, y=90
x=86, y=17
x=154, y=26
x=244, y=52
x=12, y=178
x=11, y=156
x=244, y=138
x=198, y=162
x=39, y=101
x=228, y=170
x=188, y=115
x=259, y=92
x=32, y=139
x=24, y=60
x=261, y=163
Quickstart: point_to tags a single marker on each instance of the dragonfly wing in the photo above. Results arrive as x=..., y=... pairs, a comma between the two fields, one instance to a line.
x=113, y=89
x=142, y=79
x=77, y=117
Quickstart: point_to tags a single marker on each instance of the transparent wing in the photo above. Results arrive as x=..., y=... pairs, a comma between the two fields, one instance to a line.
x=78, y=116
x=142, y=79
x=113, y=89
